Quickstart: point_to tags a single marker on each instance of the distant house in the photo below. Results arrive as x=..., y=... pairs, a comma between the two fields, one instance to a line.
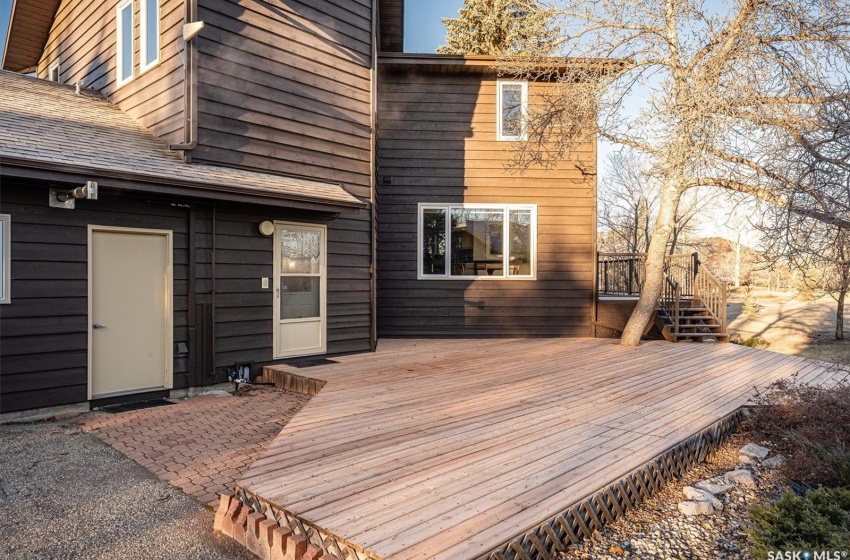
x=182, y=204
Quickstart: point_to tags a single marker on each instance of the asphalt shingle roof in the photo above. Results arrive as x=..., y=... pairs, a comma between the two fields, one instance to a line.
x=46, y=124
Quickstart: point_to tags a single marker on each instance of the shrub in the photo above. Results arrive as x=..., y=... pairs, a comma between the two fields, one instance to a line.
x=754, y=342
x=809, y=426
x=820, y=520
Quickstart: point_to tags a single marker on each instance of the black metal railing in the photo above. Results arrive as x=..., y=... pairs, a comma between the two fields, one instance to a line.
x=623, y=274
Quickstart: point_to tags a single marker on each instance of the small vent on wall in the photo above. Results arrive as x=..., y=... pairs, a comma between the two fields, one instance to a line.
x=385, y=180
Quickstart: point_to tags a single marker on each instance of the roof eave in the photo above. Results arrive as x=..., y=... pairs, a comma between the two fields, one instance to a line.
x=27, y=62
x=60, y=173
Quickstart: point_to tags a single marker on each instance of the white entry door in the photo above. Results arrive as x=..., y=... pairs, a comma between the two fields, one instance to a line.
x=300, y=290
x=130, y=306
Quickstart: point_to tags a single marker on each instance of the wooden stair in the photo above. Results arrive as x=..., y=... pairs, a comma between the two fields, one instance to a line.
x=696, y=323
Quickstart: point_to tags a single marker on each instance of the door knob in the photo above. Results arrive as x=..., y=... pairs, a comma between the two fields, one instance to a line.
x=98, y=326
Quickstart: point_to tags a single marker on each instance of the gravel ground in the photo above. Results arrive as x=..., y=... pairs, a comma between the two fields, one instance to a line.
x=65, y=494
x=657, y=530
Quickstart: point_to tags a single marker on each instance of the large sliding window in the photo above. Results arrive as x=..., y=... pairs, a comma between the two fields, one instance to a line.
x=124, y=41
x=480, y=240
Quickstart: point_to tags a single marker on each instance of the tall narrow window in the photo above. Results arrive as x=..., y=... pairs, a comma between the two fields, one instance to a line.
x=124, y=41
x=481, y=240
x=53, y=71
x=5, y=258
x=512, y=100
x=149, y=34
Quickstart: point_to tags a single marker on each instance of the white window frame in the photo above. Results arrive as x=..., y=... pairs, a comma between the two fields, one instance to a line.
x=500, y=84
x=143, y=35
x=119, y=42
x=54, y=67
x=448, y=207
x=6, y=258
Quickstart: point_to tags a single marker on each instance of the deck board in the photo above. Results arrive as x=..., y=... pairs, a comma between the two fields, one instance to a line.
x=448, y=448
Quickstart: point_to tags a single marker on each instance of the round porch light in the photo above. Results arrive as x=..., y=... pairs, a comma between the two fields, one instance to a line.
x=266, y=228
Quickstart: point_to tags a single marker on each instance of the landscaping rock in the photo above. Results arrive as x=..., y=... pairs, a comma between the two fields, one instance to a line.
x=773, y=462
x=697, y=495
x=692, y=508
x=741, y=476
x=745, y=460
x=755, y=451
x=716, y=486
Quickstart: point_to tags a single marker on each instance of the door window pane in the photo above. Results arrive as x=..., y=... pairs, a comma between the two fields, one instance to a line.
x=300, y=252
x=477, y=239
x=519, y=260
x=300, y=297
x=433, y=241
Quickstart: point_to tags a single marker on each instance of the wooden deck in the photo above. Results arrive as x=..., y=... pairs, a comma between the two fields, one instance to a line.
x=447, y=449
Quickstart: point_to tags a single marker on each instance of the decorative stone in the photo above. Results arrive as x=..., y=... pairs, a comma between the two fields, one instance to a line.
x=755, y=451
x=741, y=476
x=691, y=508
x=745, y=460
x=716, y=486
x=698, y=495
x=773, y=462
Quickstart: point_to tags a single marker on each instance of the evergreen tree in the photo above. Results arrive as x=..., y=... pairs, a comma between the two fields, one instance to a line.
x=501, y=28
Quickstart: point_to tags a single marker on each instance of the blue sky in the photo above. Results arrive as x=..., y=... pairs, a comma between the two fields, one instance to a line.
x=423, y=27
x=5, y=9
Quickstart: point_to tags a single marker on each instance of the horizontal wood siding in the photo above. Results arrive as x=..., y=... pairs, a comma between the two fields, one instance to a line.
x=391, y=13
x=83, y=39
x=44, y=334
x=285, y=86
x=437, y=143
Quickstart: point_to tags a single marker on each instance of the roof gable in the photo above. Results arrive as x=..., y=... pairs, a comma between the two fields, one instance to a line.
x=29, y=27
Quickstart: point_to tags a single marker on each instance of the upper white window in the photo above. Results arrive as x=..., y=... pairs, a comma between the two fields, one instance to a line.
x=480, y=240
x=149, y=34
x=5, y=258
x=124, y=25
x=53, y=71
x=512, y=107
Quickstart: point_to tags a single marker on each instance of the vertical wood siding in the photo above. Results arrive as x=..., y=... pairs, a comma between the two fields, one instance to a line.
x=285, y=86
x=437, y=143
x=83, y=39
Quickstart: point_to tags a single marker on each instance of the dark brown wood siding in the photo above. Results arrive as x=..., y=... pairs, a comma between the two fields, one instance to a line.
x=44, y=333
x=285, y=86
x=83, y=39
x=437, y=143
x=391, y=14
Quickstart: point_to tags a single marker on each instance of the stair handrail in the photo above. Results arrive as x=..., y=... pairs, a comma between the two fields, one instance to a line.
x=714, y=295
x=670, y=301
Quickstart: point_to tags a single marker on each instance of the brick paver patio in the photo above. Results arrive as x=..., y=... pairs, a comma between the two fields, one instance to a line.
x=201, y=445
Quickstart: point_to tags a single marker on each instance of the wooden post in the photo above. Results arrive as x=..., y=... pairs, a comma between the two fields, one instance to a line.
x=724, y=290
x=677, y=294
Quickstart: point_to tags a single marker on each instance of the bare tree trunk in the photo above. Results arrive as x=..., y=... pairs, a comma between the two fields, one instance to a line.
x=843, y=288
x=738, y=261
x=655, y=257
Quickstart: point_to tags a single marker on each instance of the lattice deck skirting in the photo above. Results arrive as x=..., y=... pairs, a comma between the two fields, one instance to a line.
x=269, y=531
x=610, y=503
